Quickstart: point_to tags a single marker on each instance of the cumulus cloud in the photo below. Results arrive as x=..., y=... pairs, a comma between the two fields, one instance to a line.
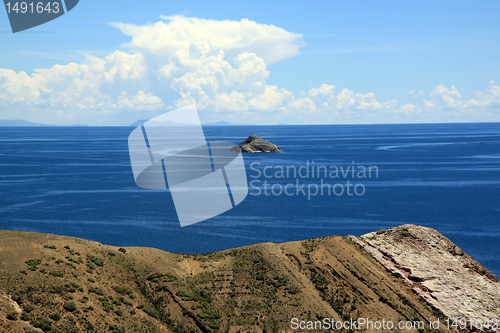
x=176, y=33
x=222, y=67
x=95, y=85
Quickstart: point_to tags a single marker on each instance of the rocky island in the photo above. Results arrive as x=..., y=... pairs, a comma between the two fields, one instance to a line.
x=255, y=144
x=406, y=274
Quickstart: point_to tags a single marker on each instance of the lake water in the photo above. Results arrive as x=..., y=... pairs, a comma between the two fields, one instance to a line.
x=78, y=181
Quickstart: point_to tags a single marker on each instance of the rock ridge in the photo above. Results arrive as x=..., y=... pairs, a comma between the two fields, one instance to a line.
x=436, y=269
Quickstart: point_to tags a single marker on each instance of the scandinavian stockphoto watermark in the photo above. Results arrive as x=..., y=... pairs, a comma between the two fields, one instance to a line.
x=310, y=179
x=204, y=179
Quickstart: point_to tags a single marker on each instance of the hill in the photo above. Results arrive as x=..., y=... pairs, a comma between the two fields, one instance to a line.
x=18, y=122
x=65, y=284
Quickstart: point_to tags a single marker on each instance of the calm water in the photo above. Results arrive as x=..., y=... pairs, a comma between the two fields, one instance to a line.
x=78, y=181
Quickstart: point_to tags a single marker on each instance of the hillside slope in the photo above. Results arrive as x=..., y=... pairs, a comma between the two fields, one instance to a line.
x=65, y=284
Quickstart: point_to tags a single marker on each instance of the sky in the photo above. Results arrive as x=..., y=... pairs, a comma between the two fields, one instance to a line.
x=114, y=62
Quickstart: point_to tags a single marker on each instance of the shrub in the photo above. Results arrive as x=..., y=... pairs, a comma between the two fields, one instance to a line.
x=69, y=306
x=380, y=232
x=119, y=312
x=169, y=277
x=97, y=291
x=121, y=249
x=383, y=299
x=53, y=247
x=154, y=277
x=214, y=325
x=405, y=234
x=90, y=279
x=33, y=262
x=123, y=290
x=96, y=260
x=132, y=311
x=151, y=311
x=111, y=253
x=23, y=272
x=11, y=316
x=25, y=316
x=116, y=328
x=55, y=316
x=43, y=324
x=57, y=274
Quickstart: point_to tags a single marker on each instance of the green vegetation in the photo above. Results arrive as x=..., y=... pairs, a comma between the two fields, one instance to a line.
x=96, y=260
x=96, y=291
x=57, y=274
x=55, y=316
x=197, y=296
x=43, y=324
x=69, y=306
x=33, y=262
x=149, y=310
x=319, y=282
x=121, y=249
x=214, y=325
x=381, y=232
x=52, y=247
x=124, y=291
x=11, y=316
x=114, y=328
x=168, y=277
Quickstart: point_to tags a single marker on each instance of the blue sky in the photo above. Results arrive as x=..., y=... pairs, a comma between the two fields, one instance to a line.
x=291, y=62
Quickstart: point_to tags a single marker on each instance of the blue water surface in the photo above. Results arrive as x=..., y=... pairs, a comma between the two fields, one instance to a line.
x=78, y=181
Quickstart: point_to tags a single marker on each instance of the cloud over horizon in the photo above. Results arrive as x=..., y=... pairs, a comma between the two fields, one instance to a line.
x=221, y=66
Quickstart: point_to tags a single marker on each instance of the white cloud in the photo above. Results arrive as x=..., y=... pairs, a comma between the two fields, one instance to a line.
x=446, y=97
x=165, y=38
x=221, y=66
x=414, y=92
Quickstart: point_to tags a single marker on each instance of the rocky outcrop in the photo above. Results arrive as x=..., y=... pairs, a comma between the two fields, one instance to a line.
x=255, y=144
x=437, y=270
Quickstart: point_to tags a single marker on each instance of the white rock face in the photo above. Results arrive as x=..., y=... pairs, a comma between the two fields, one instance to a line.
x=440, y=272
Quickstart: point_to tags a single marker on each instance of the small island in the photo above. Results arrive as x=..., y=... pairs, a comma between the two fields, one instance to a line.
x=255, y=144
